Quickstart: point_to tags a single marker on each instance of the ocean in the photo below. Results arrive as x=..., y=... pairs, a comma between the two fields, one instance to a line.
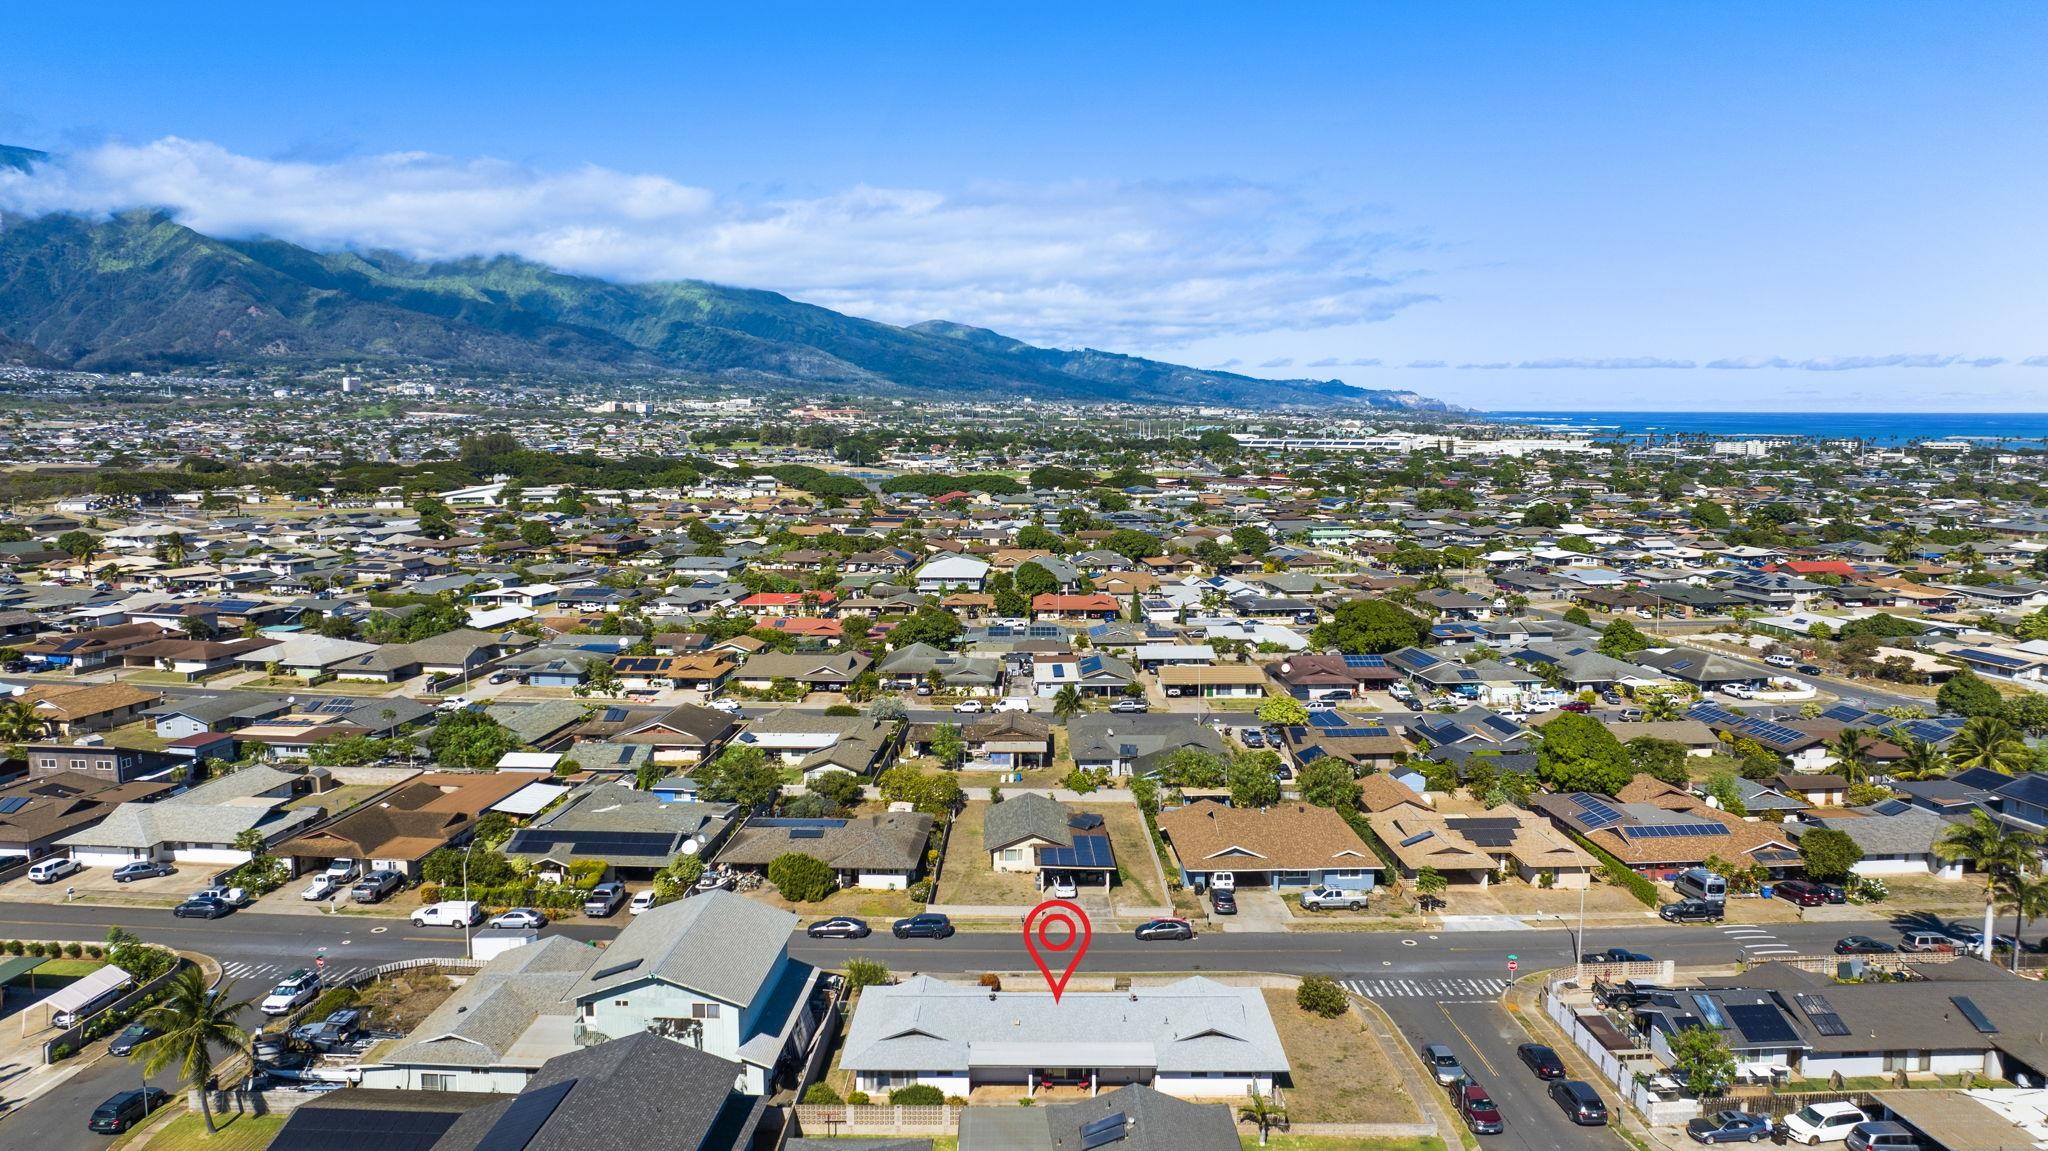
x=1877, y=427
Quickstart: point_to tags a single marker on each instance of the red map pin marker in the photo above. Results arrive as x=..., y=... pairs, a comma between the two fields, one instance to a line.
x=1057, y=932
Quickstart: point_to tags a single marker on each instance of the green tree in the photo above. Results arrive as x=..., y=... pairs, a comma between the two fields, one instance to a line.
x=193, y=1026
x=839, y=789
x=929, y=624
x=862, y=973
x=801, y=878
x=947, y=745
x=1577, y=615
x=1987, y=741
x=1578, y=753
x=1032, y=581
x=1965, y=694
x=470, y=739
x=1828, y=854
x=1851, y=751
x=1282, y=711
x=1262, y=1111
x=81, y=546
x=1995, y=851
x=2026, y=896
x=1369, y=627
x=1430, y=882
x=1622, y=639
x=535, y=534
x=1253, y=779
x=741, y=775
x=1700, y=1057
x=1328, y=782
x=1192, y=767
x=1321, y=995
x=1661, y=759
x=1710, y=515
x=1066, y=703
x=1723, y=789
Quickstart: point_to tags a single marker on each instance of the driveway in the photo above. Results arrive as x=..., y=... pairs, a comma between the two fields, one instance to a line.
x=1256, y=911
x=96, y=885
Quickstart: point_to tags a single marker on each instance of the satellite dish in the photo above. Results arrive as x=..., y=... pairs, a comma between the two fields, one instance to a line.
x=1286, y=667
x=690, y=846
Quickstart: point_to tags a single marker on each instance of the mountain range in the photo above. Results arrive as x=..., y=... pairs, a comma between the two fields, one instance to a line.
x=140, y=292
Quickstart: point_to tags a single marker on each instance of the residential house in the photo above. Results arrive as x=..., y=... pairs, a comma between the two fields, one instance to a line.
x=1478, y=848
x=702, y=671
x=200, y=825
x=38, y=811
x=91, y=757
x=1896, y=839
x=822, y=672
x=77, y=710
x=1091, y=674
x=1308, y=676
x=1222, y=681
x=1094, y=605
x=884, y=852
x=400, y=828
x=1136, y=744
x=1131, y=1118
x=685, y=733
x=1032, y=834
x=633, y=833
x=1291, y=845
x=1659, y=830
x=951, y=573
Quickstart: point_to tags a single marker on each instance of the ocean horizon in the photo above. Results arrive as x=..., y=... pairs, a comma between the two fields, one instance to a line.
x=1878, y=427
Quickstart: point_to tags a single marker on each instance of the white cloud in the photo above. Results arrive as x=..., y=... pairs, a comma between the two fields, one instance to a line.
x=1279, y=362
x=1612, y=363
x=1116, y=264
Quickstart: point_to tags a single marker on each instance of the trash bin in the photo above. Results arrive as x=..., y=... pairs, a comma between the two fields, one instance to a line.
x=1764, y=891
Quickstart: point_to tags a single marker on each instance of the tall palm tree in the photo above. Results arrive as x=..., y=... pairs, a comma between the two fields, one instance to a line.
x=172, y=550
x=1921, y=759
x=1995, y=850
x=1988, y=741
x=19, y=723
x=2026, y=896
x=1066, y=704
x=1851, y=750
x=194, y=1024
x=1263, y=1110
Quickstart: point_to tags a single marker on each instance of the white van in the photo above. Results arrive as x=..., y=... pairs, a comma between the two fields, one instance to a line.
x=449, y=913
x=1014, y=703
x=1701, y=884
x=52, y=870
x=1223, y=881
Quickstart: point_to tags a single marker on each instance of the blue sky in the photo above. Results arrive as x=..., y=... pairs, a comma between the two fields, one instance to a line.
x=1833, y=205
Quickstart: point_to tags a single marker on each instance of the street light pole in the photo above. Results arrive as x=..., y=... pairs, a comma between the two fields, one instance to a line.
x=468, y=947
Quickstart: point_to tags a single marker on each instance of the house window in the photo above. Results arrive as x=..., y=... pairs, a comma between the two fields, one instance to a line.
x=703, y=1010
x=430, y=1081
x=590, y=1011
x=1013, y=854
x=619, y=1003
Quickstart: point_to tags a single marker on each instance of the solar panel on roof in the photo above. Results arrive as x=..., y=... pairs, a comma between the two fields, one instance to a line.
x=1364, y=661
x=1087, y=820
x=1821, y=1013
x=1418, y=837
x=1504, y=726
x=12, y=804
x=1596, y=813
x=1088, y=851
x=1974, y=1014
x=524, y=1118
x=353, y=1128
x=1761, y=1023
x=1843, y=713
x=1710, y=1011
x=616, y=969
x=1420, y=659
x=1893, y=807
x=1108, y=1129
x=807, y=833
x=614, y=715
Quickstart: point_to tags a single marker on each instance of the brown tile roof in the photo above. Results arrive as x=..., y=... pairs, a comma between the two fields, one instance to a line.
x=1290, y=837
x=1383, y=793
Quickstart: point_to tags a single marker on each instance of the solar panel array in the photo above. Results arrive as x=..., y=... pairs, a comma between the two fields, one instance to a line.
x=1974, y=1014
x=1108, y=1129
x=1365, y=661
x=1713, y=714
x=1975, y=655
x=1502, y=725
x=1843, y=713
x=1089, y=851
x=12, y=804
x=1595, y=813
x=1821, y=1013
x=1893, y=807
x=1418, y=659
x=353, y=1128
x=1673, y=830
x=524, y=1118
x=645, y=843
x=1761, y=1023
x=1768, y=732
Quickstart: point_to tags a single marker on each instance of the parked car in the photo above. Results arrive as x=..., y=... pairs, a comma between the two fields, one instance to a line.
x=202, y=908
x=1729, y=1127
x=1862, y=945
x=142, y=869
x=1811, y=669
x=1798, y=891
x=1443, y=1063
x=125, y=1110
x=342, y=871
x=52, y=870
x=728, y=706
x=643, y=902
x=375, y=886
x=1833, y=892
x=1883, y=1135
x=1222, y=902
x=968, y=707
x=1541, y=1060
x=323, y=887
x=1691, y=911
x=1580, y=1102
x=1818, y=1123
x=1780, y=660
x=1919, y=941
x=131, y=1037
x=1332, y=899
x=839, y=927
x=519, y=918
x=928, y=925
x=1577, y=705
x=1165, y=929
x=503, y=677
x=1616, y=955
x=337, y=1032
x=1128, y=704
x=457, y=913
x=293, y=992
x=1252, y=737
x=604, y=900
x=1477, y=1108
x=1062, y=885
x=1223, y=881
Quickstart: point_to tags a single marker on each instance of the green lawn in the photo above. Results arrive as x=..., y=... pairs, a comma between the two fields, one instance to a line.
x=56, y=973
x=188, y=1133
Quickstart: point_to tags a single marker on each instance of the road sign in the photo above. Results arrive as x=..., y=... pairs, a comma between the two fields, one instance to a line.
x=1511, y=967
x=320, y=963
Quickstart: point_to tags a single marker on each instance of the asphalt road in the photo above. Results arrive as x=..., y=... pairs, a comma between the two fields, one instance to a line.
x=1485, y=1036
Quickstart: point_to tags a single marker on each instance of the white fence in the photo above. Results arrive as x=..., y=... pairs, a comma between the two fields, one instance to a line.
x=1620, y=1070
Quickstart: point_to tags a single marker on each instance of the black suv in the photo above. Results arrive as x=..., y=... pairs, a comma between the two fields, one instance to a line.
x=1690, y=911
x=1580, y=1102
x=126, y=1110
x=1542, y=1060
x=930, y=925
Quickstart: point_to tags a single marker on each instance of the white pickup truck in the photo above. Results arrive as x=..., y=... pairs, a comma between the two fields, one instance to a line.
x=1331, y=899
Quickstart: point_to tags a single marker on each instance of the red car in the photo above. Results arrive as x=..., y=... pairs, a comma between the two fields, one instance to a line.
x=1478, y=1110
x=1578, y=705
x=1800, y=892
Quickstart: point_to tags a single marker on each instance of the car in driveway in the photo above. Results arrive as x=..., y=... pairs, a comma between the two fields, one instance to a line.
x=929, y=925
x=124, y=1111
x=1479, y=1111
x=1800, y=892
x=1333, y=899
x=1165, y=929
x=142, y=869
x=375, y=886
x=1729, y=1127
x=1062, y=886
x=519, y=918
x=1443, y=1063
x=839, y=927
x=1541, y=1060
x=1863, y=945
x=131, y=1037
x=1818, y=1123
x=1580, y=1103
x=202, y=907
x=324, y=886
x=604, y=900
x=1691, y=911
x=1222, y=902
x=294, y=990
x=334, y=1033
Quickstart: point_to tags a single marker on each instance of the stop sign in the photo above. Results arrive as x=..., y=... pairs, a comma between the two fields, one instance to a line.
x=1511, y=966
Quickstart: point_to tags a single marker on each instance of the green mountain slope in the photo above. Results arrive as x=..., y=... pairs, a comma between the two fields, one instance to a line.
x=139, y=291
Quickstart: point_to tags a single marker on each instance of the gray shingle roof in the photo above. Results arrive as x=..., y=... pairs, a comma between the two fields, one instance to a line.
x=719, y=945
x=1021, y=817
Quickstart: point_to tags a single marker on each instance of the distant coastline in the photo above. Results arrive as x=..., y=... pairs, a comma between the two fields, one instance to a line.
x=1878, y=427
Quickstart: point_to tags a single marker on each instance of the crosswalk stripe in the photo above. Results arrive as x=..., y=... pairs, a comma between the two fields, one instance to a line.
x=1397, y=988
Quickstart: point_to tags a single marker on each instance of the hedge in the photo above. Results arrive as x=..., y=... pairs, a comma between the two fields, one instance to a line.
x=1620, y=872
x=1358, y=823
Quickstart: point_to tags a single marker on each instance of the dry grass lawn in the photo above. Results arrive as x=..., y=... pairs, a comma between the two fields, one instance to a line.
x=1340, y=1071
x=967, y=877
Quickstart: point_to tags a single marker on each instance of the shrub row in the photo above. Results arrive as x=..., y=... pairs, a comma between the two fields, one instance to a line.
x=1620, y=873
x=53, y=950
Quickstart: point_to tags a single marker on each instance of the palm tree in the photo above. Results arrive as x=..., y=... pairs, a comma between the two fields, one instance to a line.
x=1851, y=750
x=172, y=550
x=193, y=1023
x=2027, y=898
x=1263, y=1110
x=1066, y=704
x=1660, y=707
x=1920, y=759
x=1988, y=741
x=19, y=723
x=1995, y=850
